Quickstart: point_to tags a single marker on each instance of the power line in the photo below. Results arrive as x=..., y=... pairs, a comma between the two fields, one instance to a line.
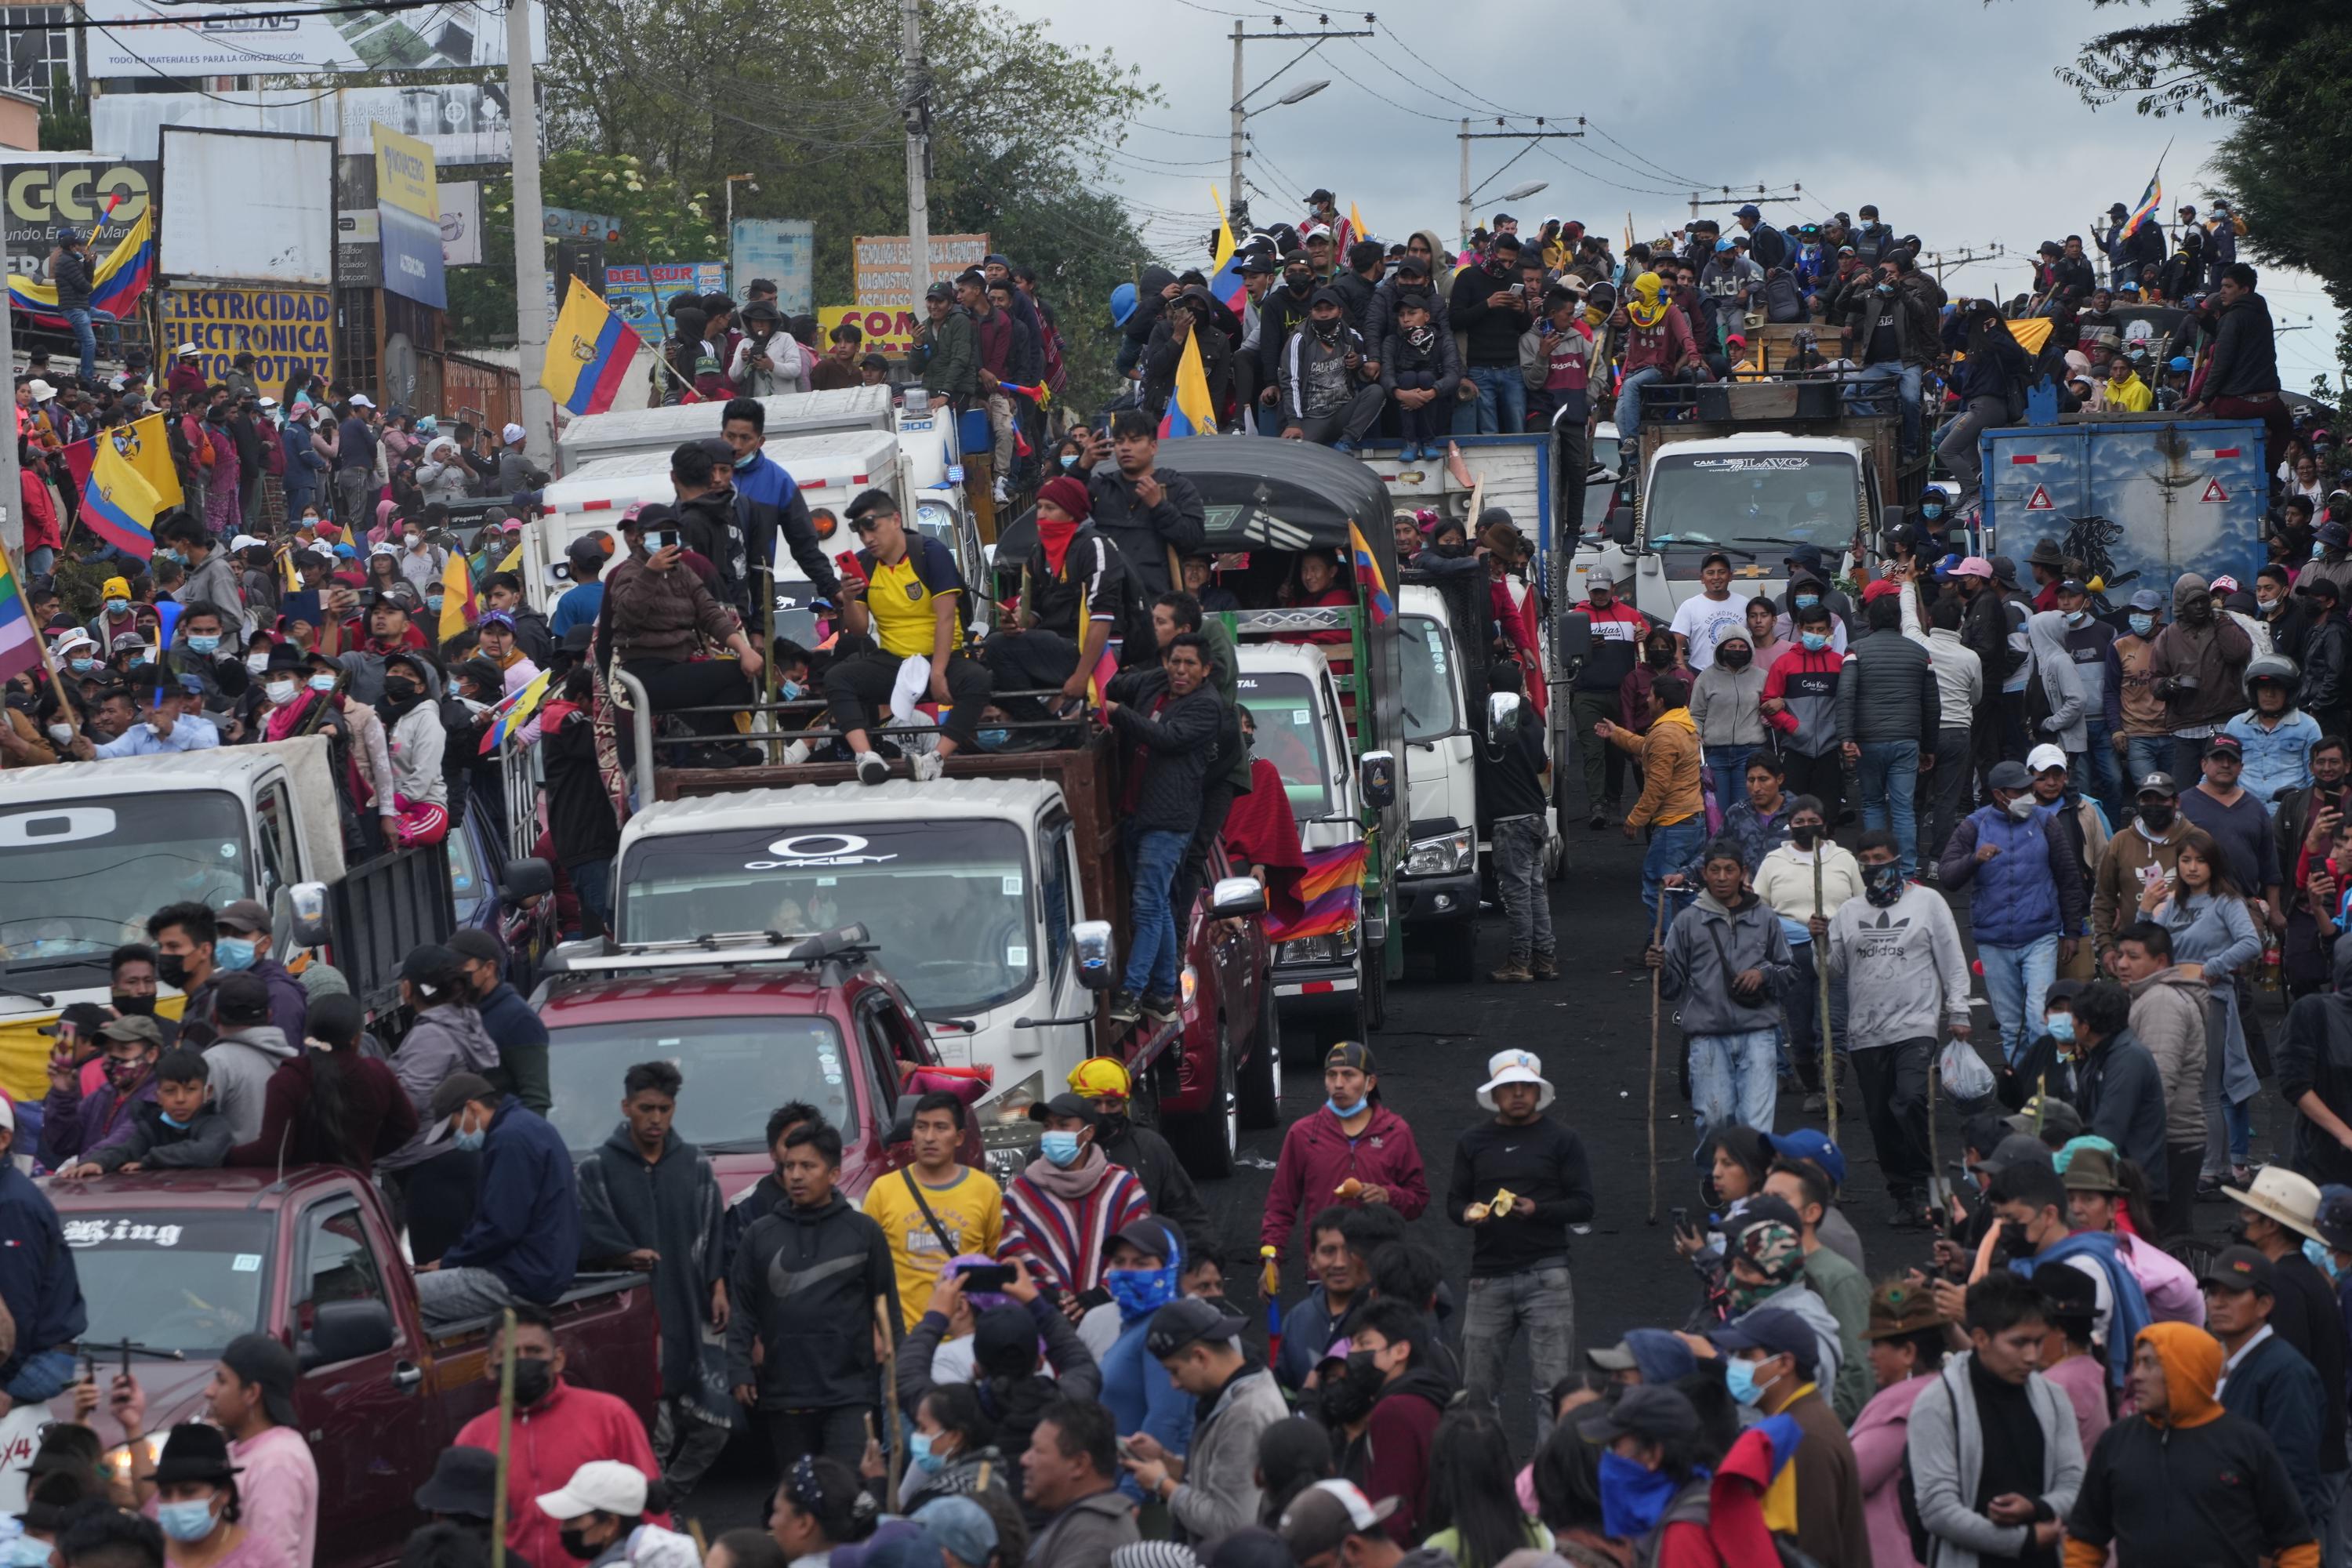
x=1466, y=91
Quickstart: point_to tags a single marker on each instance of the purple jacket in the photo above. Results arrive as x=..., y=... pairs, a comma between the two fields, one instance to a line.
x=73, y=1127
x=290, y=1004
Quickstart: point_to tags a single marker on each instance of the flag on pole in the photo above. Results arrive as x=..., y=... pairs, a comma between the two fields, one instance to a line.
x=20, y=641
x=516, y=710
x=460, y=608
x=1190, y=410
x=145, y=445
x=119, y=505
x=1356, y=229
x=2150, y=199
x=1225, y=279
x=115, y=287
x=1369, y=576
x=588, y=353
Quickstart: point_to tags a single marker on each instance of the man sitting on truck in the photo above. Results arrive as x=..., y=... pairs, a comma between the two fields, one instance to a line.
x=1077, y=594
x=524, y=1242
x=910, y=601
x=169, y=720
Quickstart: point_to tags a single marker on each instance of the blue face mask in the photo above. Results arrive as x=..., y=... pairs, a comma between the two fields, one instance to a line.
x=25, y=1552
x=996, y=739
x=203, y=644
x=1807, y=601
x=1342, y=1112
x=2142, y=624
x=118, y=607
x=2077, y=618
x=918, y=1448
x=233, y=953
x=1069, y=460
x=792, y=690
x=172, y=1121
x=474, y=1140
x=1814, y=641
x=1060, y=1149
x=184, y=1521
x=2322, y=1258
x=1740, y=1377
x=83, y=666
x=1929, y=511
x=433, y=601
x=1633, y=1498
x=2061, y=1027
x=748, y=458
x=322, y=683
x=1140, y=1290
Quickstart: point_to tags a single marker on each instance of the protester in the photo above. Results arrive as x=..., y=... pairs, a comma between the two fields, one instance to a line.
x=2027, y=894
x=1069, y=1475
x=523, y=1242
x=1064, y=1207
x=2265, y=1380
x=331, y=1104
x=1352, y=1142
x=1671, y=803
x=1906, y=1350
x=1724, y=959
x=934, y=1208
x=40, y=1294
x=1771, y=1365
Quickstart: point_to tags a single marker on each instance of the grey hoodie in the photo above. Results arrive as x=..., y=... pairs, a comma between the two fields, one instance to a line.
x=1887, y=957
x=443, y=1041
x=1945, y=1450
x=2054, y=666
x=239, y=1066
x=1706, y=946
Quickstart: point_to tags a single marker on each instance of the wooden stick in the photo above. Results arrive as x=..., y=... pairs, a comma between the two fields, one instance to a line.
x=1657, y=936
x=505, y=1437
x=891, y=1411
x=1822, y=1004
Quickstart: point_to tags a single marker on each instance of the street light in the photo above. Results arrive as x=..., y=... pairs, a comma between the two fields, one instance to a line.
x=1241, y=115
x=1521, y=192
x=749, y=182
x=1299, y=95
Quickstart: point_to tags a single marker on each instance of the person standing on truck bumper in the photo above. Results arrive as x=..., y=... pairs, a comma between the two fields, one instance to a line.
x=1170, y=720
x=39, y=1288
x=910, y=603
x=805, y=1284
x=524, y=1242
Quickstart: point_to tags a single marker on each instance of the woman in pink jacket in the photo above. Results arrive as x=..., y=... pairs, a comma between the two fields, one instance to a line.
x=1905, y=1345
x=1352, y=1151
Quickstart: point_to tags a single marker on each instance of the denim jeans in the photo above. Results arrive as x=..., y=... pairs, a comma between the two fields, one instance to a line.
x=1732, y=1081
x=1889, y=775
x=1519, y=880
x=592, y=884
x=2148, y=754
x=2016, y=980
x=2098, y=771
x=1629, y=405
x=1152, y=952
x=1864, y=389
x=1671, y=850
x=83, y=334
x=1502, y=399
x=1542, y=1300
x=45, y=1375
x=447, y=1296
x=1729, y=766
x=40, y=562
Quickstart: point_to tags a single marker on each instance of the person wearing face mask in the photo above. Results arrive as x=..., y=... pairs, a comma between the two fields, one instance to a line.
x=117, y=614
x=197, y=1504
x=557, y=1426
x=1166, y=1186
x=1884, y=944
x=523, y=1243
x=446, y=1039
x=2029, y=1203
x=1353, y=1148
x=1724, y=959
x=244, y=943
x=246, y=1052
x=412, y=720
x=2029, y=896
x=75, y=1124
x=1725, y=703
x=1144, y=1263
x=1319, y=376
x=1062, y=1210
x=2198, y=666
x=952, y=1450
x=601, y=1517
x=1801, y=701
x=2143, y=740
x=1769, y=1364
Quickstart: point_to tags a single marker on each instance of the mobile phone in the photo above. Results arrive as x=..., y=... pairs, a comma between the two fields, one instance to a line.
x=1520, y=290
x=985, y=1276
x=660, y=539
x=1098, y=1297
x=1127, y=1450
x=1679, y=1216
x=851, y=571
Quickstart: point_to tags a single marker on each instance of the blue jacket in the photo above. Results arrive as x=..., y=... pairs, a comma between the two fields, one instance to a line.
x=2276, y=759
x=1307, y=1330
x=2130, y=1311
x=2279, y=1391
x=577, y=607
x=526, y=1227
x=2033, y=888
x=37, y=1285
x=303, y=464
x=1141, y=1396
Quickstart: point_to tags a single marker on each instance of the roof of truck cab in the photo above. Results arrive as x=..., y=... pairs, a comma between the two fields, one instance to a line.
x=830, y=455
x=242, y=1186
x=1764, y=441
x=664, y=427
x=1271, y=657
x=165, y=771
x=831, y=805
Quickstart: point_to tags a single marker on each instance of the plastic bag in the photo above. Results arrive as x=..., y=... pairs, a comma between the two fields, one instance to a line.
x=1963, y=1073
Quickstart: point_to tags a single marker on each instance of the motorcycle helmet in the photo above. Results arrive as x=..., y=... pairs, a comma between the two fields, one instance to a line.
x=2271, y=667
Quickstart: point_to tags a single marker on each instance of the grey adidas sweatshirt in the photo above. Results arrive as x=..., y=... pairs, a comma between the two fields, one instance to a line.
x=1883, y=953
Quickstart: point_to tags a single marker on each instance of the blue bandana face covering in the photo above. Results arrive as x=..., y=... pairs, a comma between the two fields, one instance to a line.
x=1633, y=1498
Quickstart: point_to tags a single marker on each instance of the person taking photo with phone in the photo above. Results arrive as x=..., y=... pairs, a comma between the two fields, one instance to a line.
x=657, y=620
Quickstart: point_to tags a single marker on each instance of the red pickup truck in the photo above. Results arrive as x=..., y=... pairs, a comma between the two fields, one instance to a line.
x=185, y=1261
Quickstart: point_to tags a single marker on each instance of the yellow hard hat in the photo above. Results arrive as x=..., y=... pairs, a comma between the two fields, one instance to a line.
x=1101, y=1078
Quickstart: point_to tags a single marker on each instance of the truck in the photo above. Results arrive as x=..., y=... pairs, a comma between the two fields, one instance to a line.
x=178, y=1263
x=89, y=850
x=993, y=898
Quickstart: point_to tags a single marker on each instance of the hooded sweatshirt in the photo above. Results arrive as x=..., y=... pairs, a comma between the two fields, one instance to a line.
x=671, y=1206
x=2214, y=655
x=241, y=1063
x=2061, y=705
x=803, y=1284
x=1318, y=1156
x=416, y=739
x=1886, y=956
x=1315, y=376
x=2195, y=1488
x=1946, y=1448
x=445, y=1038
x=2168, y=1015
x=1710, y=943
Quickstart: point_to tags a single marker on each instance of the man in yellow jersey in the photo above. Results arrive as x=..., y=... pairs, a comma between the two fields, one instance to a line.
x=934, y=1209
x=910, y=604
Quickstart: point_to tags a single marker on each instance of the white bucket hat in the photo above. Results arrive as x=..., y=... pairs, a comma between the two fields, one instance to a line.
x=1515, y=1067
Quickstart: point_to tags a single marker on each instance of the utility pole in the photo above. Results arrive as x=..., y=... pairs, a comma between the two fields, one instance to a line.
x=1953, y=263
x=529, y=242
x=1233, y=153
x=1466, y=136
x=916, y=106
x=1236, y=150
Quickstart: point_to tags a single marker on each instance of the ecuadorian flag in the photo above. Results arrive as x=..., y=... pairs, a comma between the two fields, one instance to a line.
x=119, y=504
x=115, y=287
x=1225, y=279
x=1189, y=410
x=588, y=353
x=516, y=712
x=1369, y=577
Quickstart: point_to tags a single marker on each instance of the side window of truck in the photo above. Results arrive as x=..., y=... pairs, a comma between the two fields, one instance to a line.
x=337, y=1263
x=1053, y=892
x=275, y=813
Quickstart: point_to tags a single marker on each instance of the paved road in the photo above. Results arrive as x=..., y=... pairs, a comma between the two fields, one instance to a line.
x=1591, y=1027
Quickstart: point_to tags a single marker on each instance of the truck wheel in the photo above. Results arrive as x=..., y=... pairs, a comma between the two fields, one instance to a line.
x=1456, y=949
x=1261, y=1076
x=1204, y=1141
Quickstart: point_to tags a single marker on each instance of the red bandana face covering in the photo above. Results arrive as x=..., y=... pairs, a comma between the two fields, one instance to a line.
x=1056, y=534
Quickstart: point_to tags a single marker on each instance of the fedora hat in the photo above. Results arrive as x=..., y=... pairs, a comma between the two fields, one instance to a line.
x=2283, y=1195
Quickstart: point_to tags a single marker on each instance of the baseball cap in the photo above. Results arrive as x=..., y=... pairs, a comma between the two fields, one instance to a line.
x=459, y=1088
x=1813, y=1145
x=600, y=1486
x=1067, y=1104
x=2008, y=776
x=1188, y=1322
x=2241, y=1269
x=136, y=1026
x=1328, y=1512
x=361, y=400
x=2157, y=784
x=1350, y=1053
x=1152, y=1236
x=1773, y=1331
x=1655, y=1353
x=240, y=997
x=2225, y=741
x=88, y=1017
x=1974, y=566
x=2333, y=1221
x=1750, y=210
x=2320, y=588
x=261, y=1361
x=247, y=915
x=2044, y=757
x=1653, y=1412
x=2148, y=599
x=2016, y=1147
x=589, y=547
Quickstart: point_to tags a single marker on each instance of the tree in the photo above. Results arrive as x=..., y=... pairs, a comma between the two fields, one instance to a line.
x=2278, y=69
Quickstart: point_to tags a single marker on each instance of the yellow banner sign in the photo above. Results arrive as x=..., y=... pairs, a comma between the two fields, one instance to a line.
x=888, y=329
x=285, y=329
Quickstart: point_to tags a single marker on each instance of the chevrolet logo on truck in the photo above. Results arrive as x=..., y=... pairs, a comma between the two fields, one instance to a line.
x=839, y=850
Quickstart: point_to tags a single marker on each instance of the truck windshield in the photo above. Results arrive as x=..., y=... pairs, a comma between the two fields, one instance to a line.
x=81, y=876
x=1429, y=679
x=1758, y=503
x=185, y=1281
x=947, y=901
x=735, y=1070
x=1282, y=707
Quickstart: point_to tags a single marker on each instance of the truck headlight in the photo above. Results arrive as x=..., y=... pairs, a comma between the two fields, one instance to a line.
x=1332, y=949
x=1447, y=855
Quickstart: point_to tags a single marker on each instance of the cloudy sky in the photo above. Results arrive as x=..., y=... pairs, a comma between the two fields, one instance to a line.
x=1840, y=103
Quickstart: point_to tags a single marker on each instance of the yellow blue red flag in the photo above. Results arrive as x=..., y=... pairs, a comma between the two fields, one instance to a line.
x=588, y=353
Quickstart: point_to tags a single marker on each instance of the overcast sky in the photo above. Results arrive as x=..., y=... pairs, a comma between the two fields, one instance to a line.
x=1738, y=95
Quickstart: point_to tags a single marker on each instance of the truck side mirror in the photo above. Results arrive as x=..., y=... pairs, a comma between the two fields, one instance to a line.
x=1503, y=710
x=1376, y=774
x=1234, y=896
x=1572, y=635
x=902, y=1120
x=523, y=880
x=1093, y=940
x=307, y=902
x=346, y=1331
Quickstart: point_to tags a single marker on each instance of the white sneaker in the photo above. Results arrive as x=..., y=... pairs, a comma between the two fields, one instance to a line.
x=796, y=754
x=871, y=768
x=927, y=765
x=1004, y=496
